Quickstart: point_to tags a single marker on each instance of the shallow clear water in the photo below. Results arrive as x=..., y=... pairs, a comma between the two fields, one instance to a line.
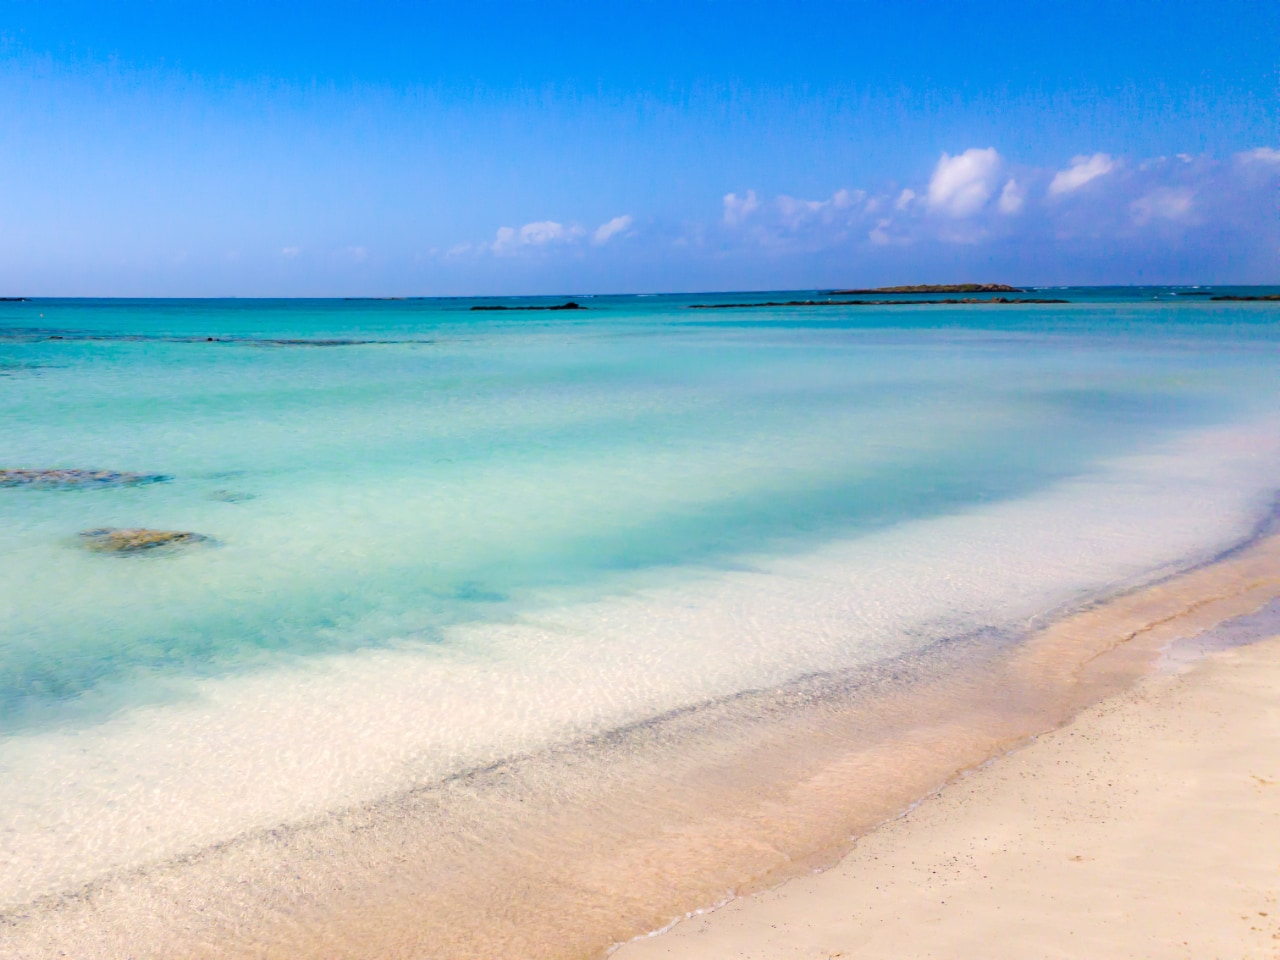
x=479, y=532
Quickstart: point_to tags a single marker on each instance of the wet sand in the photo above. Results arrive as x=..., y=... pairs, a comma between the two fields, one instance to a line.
x=1147, y=827
x=564, y=852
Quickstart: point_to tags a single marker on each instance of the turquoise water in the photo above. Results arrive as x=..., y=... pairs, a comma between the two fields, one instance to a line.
x=575, y=518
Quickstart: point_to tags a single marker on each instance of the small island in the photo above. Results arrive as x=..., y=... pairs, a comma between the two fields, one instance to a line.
x=937, y=288
x=870, y=303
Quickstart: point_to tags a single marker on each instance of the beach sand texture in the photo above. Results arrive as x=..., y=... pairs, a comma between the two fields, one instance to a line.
x=1147, y=827
x=638, y=832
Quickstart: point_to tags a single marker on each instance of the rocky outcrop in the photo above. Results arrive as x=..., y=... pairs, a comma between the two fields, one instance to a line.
x=937, y=288
x=1265, y=296
x=136, y=540
x=76, y=478
x=867, y=303
x=571, y=305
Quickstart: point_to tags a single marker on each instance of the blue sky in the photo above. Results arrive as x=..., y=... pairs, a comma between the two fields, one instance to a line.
x=343, y=149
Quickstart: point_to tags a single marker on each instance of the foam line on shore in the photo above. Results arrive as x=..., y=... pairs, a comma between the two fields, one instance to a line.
x=1158, y=798
x=560, y=852
x=293, y=745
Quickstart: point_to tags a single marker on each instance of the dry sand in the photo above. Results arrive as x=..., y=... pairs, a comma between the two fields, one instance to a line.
x=1147, y=827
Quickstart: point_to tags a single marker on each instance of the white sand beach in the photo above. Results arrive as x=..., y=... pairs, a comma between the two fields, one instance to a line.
x=1149, y=827
x=1145, y=826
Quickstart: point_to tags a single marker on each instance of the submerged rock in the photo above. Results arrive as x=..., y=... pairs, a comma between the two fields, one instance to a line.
x=230, y=496
x=135, y=540
x=76, y=478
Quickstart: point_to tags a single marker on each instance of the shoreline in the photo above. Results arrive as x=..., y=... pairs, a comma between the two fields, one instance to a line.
x=1119, y=669
x=586, y=847
x=1145, y=826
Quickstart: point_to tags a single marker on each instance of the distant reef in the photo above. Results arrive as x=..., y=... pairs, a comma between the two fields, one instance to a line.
x=866, y=303
x=937, y=288
x=502, y=306
x=1264, y=296
x=40, y=334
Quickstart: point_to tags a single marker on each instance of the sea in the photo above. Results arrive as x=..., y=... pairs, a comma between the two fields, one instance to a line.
x=436, y=536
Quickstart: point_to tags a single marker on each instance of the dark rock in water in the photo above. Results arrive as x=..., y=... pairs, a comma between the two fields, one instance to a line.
x=231, y=496
x=76, y=478
x=1265, y=296
x=939, y=288
x=571, y=305
x=136, y=540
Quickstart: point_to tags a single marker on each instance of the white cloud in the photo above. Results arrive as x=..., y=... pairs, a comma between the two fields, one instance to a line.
x=543, y=231
x=506, y=237
x=1011, y=197
x=540, y=233
x=904, y=199
x=1082, y=170
x=879, y=234
x=290, y=251
x=1260, y=155
x=1163, y=203
x=607, y=231
x=961, y=185
x=794, y=212
x=737, y=209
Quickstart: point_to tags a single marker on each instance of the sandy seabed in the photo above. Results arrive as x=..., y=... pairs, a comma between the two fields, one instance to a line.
x=566, y=852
